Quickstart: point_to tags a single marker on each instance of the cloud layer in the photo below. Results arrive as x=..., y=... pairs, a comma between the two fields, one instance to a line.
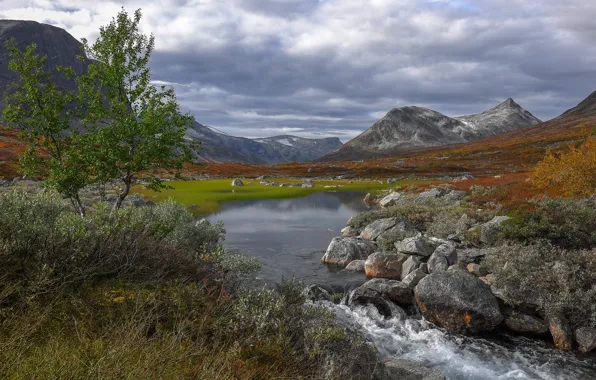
x=333, y=67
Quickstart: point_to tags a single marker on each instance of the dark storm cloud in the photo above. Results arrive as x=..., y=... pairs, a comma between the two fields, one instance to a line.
x=332, y=67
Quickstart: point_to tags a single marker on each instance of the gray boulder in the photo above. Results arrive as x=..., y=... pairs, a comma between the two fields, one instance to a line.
x=585, y=338
x=414, y=278
x=524, y=324
x=391, y=199
x=356, y=266
x=448, y=252
x=418, y=245
x=458, y=302
x=237, y=182
x=477, y=270
x=381, y=227
x=560, y=330
x=342, y=251
x=490, y=231
x=307, y=185
x=429, y=194
x=454, y=197
x=409, y=266
x=384, y=265
x=366, y=296
x=349, y=231
x=316, y=293
x=437, y=263
x=409, y=370
x=396, y=291
x=472, y=255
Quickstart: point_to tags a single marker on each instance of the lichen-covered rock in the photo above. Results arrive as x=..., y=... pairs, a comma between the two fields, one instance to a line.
x=429, y=194
x=560, y=330
x=396, y=291
x=585, y=338
x=448, y=251
x=458, y=302
x=472, y=255
x=356, y=266
x=349, y=232
x=418, y=245
x=342, y=251
x=524, y=324
x=379, y=226
x=237, y=182
x=477, y=270
x=384, y=265
x=391, y=199
x=437, y=263
x=414, y=278
x=409, y=266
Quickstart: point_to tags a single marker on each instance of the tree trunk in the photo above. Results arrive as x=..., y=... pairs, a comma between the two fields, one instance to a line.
x=127, y=184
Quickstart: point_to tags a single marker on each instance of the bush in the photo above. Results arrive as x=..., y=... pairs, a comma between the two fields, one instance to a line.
x=552, y=277
x=568, y=223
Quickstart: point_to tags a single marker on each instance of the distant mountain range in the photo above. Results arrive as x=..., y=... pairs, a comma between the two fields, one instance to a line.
x=407, y=128
x=62, y=49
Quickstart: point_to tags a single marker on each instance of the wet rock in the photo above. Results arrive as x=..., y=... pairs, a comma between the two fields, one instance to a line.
x=237, y=182
x=384, y=265
x=391, y=200
x=349, y=232
x=458, y=302
x=356, y=266
x=366, y=296
x=523, y=323
x=396, y=291
x=409, y=370
x=316, y=293
x=560, y=330
x=342, y=251
x=490, y=232
x=409, y=266
x=448, y=252
x=416, y=246
x=414, y=278
x=477, y=270
x=585, y=338
x=437, y=263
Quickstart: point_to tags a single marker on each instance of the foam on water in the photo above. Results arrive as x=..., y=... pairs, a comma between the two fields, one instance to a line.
x=463, y=358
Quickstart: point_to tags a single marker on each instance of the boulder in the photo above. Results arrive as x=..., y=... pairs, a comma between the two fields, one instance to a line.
x=307, y=185
x=437, y=263
x=342, y=251
x=454, y=197
x=585, y=338
x=365, y=296
x=396, y=291
x=376, y=228
x=409, y=266
x=560, y=330
x=369, y=198
x=477, y=270
x=316, y=293
x=490, y=231
x=429, y=194
x=524, y=324
x=349, y=231
x=414, y=278
x=237, y=182
x=448, y=252
x=391, y=199
x=356, y=266
x=384, y=265
x=471, y=255
x=416, y=246
x=409, y=370
x=458, y=302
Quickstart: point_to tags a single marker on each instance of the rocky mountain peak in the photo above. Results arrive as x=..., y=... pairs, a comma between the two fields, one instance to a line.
x=587, y=107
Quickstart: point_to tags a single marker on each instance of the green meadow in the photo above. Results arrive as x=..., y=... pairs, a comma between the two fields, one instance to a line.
x=208, y=195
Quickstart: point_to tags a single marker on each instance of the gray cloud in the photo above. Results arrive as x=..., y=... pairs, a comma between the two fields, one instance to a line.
x=332, y=67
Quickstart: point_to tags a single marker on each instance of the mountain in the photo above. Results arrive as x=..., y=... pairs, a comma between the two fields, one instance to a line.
x=408, y=128
x=586, y=108
x=62, y=49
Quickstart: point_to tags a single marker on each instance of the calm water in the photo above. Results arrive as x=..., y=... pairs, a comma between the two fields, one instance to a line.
x=290, y=237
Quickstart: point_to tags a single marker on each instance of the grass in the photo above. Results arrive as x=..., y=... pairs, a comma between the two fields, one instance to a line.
x=208, y=195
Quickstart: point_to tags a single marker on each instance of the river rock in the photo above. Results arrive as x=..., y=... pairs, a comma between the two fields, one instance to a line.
x=316, y=293
x=437, y=263
x=367, y=296
x=356, y=266
x=408, y=370
x=409, y=266
x=524, y=324
x=560, y=331
x=458, y=301
x=396, y=291
x=585, y=338
x=237, y=182
x=418, y=245
x=414, y=278
x=342, y=251
x=391, y=199
x=384, y=265
x=349, y=231
x=490, y=232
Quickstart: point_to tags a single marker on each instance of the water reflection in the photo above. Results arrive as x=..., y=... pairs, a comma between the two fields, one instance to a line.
x=289, y=236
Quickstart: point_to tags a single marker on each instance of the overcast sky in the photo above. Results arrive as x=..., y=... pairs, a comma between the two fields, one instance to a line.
x=333, y=67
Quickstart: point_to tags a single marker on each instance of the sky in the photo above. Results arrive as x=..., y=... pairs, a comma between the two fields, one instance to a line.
x=331, y=68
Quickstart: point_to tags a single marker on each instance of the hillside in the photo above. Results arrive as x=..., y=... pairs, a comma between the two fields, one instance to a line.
x=407, y=128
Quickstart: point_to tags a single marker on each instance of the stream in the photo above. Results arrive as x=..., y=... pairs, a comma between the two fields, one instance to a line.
x=289, y=237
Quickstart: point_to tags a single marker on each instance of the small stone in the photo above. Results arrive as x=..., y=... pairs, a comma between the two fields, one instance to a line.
x=586, y=339
x=448, y=251
x=414, y=278
x=409, y=266
x=524, y=324
x=477, y=270
x=237, y=182
x=349, y=232
x=437, y=263
x=415, y=246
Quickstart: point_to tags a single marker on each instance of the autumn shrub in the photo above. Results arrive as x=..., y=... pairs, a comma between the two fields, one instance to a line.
x=573, y=172
x=550, y=277
x=568, y=223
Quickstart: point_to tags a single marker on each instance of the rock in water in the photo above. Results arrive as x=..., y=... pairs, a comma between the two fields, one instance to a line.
x=458, y=301
x=560, y=330
x=356, y=266
x=391, y=199
x=396, y=291
x=385, y=265
x=237, y=182
x=366, y=296
x=524, y=324
x=342, y=251
x=409, y=370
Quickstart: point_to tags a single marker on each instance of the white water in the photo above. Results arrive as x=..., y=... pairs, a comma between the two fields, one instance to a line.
x=462, y=358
